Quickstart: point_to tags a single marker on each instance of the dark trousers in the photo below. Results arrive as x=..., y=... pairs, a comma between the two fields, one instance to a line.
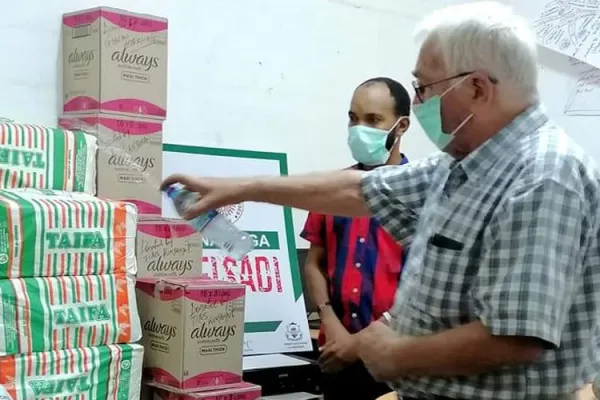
x=353, y=382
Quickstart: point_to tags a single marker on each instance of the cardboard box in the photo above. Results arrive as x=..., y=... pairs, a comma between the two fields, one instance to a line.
x=129, y=158
x=240, y=391
x=168, y=249
x=193, y=331
x=114, y=61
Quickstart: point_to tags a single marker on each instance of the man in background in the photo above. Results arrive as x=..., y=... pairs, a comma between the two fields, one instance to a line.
x=353, y=264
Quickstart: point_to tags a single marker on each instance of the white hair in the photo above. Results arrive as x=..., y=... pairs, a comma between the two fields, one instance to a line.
x=488, y=36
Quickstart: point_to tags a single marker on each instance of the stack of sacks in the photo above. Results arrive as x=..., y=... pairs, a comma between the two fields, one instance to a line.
x=67, y=261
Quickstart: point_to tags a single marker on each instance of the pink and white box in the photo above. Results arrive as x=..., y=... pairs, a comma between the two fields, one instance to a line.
x=129, y=157
x=193, y=331
x=114, y=61
x=240, y=391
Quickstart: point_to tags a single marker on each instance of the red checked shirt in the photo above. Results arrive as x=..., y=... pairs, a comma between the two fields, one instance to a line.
x=363, y=264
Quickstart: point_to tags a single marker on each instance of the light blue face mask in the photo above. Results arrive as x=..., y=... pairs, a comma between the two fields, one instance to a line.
x=367, y=144
x=429, y=115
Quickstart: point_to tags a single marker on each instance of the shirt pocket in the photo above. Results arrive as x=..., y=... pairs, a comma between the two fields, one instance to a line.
x=445, y=277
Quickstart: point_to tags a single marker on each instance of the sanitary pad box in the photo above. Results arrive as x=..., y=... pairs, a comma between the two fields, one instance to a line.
x=168, y=249
x=193, y=331
x=114, y=61
x=240, y=391
x=129, y=158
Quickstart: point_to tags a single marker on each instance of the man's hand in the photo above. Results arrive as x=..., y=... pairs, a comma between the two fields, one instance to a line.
x=376, y=345
x=338, y=352
x=214, y=192
x=586, y=393
x=340, y=346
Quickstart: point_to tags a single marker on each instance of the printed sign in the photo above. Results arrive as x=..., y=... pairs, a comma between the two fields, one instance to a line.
x=275, y=319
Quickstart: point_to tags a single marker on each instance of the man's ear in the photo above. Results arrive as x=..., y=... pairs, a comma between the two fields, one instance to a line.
x=403, y=126
x=482, y=87
x=394, y=136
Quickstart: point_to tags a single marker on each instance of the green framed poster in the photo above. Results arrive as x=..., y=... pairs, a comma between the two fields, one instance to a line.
x=275, y=309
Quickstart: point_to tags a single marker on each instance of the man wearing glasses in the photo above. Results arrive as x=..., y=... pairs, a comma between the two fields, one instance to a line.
x=498, y=297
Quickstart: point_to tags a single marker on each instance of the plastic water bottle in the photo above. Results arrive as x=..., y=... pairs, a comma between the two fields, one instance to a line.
x=4, y=394
x=214, y=226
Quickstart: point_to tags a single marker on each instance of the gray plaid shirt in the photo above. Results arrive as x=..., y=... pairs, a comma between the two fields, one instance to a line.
x=508, y=236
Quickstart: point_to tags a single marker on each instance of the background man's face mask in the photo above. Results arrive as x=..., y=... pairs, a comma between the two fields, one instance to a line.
x=371, y=146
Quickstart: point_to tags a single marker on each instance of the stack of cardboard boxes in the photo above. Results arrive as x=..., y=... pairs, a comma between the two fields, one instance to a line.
x=115, y=86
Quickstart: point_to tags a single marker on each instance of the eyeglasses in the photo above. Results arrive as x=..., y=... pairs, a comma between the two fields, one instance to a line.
x=420, y=89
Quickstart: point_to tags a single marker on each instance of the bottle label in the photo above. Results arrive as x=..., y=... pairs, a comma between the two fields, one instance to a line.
x=201, y=221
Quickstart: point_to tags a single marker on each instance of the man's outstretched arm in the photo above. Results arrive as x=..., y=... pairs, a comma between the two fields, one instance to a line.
x=336, y=193
x=393, y=194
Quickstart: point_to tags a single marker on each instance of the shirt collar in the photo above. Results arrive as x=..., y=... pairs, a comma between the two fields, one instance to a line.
x=485, y=156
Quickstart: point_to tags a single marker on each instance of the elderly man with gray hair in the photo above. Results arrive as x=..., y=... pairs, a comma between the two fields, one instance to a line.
x=499, y=298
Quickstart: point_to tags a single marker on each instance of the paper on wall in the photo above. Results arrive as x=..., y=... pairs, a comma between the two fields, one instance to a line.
x=584, y=99
x=570, y=27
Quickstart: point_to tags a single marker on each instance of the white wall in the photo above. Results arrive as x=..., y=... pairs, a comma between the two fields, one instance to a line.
x=271, y=75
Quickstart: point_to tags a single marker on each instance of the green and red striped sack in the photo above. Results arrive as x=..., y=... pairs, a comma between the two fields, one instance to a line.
x=47, y=158
x=56, y=233
x=112, y=372
x=43, y=314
